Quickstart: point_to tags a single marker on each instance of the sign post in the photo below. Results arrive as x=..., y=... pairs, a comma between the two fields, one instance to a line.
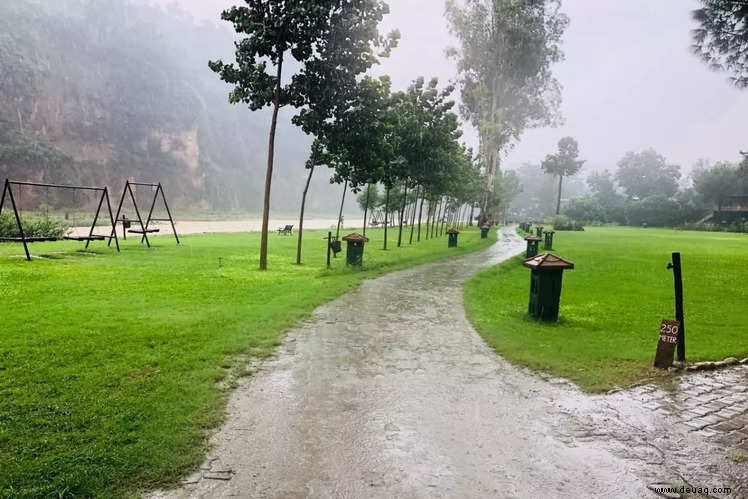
x=669, y=332
x=678, y=284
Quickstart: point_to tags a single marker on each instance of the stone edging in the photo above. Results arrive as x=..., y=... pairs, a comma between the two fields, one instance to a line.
x=709, y=365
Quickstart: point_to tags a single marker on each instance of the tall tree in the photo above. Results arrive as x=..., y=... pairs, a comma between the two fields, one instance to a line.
x=646, y=173
x=506, y=49
x=721, y=40
x=330, y=42
x=716, y=184
x=563, y=164
x=607, y=197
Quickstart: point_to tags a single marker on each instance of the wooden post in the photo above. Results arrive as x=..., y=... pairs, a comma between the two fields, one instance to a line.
x=329, y=240
x=678, y=285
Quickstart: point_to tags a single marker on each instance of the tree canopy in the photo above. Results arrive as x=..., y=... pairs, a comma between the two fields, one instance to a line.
x=505, y=53
x=717, y=183
x=647, y=173
x=721, y=40
x=331, y=42
x=562, y=164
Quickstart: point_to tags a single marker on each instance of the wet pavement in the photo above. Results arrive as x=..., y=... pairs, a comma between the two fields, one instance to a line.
x=389, y=392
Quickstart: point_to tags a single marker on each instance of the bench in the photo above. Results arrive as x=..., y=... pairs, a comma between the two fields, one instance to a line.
x=285, y=230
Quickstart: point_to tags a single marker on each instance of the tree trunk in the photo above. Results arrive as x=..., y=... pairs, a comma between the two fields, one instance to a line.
x=402, y=215
x=472, y=213
x=439, y=216
x=386, y=212
x=366, y=206
x=558, y=201
x=269, y=172
x=420, y=214
x=413, y=215
x=340, y=213
x=301, y=215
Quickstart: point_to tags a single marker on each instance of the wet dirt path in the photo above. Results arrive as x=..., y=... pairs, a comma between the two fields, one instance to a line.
x=389, y=392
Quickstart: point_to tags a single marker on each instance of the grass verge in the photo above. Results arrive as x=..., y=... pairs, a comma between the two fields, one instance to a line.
x=111, y=364
x=612, y=303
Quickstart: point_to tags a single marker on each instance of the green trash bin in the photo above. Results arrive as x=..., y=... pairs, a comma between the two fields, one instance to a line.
x=452, y=237
x=355, y=250
x=532, y=246
x=484, y=231
x=545, y=285
x=539, y=231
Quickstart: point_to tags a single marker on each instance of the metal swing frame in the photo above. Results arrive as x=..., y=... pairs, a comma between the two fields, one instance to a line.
x=7, y=190
x=145, y=228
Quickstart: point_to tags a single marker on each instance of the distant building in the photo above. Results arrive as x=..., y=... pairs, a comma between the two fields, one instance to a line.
x=734, y=210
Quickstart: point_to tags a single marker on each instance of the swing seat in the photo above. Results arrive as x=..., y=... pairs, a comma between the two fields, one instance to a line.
x=140, y=231
x=93, y=237
x=29, y=239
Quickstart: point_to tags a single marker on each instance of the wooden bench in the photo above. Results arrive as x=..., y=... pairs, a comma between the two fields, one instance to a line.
x=285, y=230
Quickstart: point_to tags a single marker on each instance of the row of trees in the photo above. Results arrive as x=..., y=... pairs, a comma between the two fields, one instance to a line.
x=362, y=130
x=407, y=140
x=645, y=189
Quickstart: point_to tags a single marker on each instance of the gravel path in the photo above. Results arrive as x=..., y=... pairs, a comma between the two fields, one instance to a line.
x=389, y=392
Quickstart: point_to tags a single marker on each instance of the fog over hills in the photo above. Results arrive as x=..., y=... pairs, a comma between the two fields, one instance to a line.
x=94, y=92
x=121, y=89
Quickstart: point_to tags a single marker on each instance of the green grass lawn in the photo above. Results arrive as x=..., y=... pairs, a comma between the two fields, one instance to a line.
x=110, y=363
x=612, y=303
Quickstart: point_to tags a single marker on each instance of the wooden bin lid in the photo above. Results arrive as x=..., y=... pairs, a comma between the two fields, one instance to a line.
x=355, y=237
x=547, y=261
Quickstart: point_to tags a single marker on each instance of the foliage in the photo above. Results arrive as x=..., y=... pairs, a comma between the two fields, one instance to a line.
x=408, y=140
x=331, y=42
x=563, y=164
x=717, y=183
x=653, y=211
x=605, y=193
x=507, y=186
x=539, y=193
x=369, y=197
x=99, y=79
x=721, y=40
x=563, y=222
x=506, y=49
x=612, y=303
x=19, y=150
x=41, y=226
x=359, y=143
x=587, y=209
x=110, y=408
x=646, y=173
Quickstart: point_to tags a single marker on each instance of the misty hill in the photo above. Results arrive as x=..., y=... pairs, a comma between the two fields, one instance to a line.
x=97, y=91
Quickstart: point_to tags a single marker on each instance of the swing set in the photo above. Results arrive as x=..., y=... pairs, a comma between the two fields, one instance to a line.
x=145, y=227
x=8, y=191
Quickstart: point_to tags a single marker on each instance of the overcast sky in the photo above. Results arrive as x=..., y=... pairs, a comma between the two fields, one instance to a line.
x=629, y=80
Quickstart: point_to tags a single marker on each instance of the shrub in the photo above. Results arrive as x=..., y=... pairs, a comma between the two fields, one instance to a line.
x=562, y=222
x=43, y=226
